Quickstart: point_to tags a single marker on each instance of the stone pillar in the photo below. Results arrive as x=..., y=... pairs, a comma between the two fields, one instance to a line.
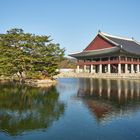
x=91, y=69
x=138, y=68
x=119, y=68
x=109, y=68
x=126, y=68
x=77, y=69
x=85, y=68
x=132, y=68
x=100, y=68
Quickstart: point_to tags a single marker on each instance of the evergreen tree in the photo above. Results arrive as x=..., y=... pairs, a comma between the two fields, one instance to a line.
x=27, y=55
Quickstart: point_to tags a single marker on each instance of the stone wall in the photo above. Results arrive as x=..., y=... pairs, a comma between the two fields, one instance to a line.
x=103, y=75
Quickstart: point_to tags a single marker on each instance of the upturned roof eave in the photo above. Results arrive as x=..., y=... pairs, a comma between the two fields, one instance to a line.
x=95, y=52
x=129, y=52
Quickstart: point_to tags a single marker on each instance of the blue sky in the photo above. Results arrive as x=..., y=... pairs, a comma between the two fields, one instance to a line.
x=72, y=23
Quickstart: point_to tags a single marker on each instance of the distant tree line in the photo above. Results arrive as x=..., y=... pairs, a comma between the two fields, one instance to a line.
x=68, y=63
x=26, y=55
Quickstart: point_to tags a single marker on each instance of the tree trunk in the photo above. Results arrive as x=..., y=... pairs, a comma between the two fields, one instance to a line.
x=21, y=78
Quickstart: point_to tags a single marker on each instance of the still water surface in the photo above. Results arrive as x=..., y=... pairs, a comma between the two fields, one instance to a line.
x=75, y=109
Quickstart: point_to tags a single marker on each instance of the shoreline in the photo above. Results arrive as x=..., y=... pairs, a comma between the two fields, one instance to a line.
x=43, y=83
x=40, y=83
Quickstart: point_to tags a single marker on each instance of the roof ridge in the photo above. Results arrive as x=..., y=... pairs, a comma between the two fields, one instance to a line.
x=114, y=36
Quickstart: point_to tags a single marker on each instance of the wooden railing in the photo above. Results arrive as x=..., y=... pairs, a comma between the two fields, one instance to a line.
x=107, y=62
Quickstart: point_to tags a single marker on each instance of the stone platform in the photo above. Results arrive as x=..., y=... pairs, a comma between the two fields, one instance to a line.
x=97, y=75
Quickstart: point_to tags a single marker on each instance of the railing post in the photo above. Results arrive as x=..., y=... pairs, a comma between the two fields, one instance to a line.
x=100, y=67
x=85, y=70
x=77, y=69
x=138, y=68
x=132, y=68
x=91, y=68
x=108, y=67
x=126, y=68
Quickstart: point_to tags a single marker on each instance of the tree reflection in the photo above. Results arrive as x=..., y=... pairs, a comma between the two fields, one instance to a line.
x=110, y=98
x=24, y=108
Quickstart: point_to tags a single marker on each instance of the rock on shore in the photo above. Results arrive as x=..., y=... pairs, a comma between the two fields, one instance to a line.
x=41, y=83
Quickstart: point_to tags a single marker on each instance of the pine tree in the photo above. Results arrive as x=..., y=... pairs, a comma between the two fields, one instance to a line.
x=27, y=55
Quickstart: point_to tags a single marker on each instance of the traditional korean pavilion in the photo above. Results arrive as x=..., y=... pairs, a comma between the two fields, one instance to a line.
x=109, y=54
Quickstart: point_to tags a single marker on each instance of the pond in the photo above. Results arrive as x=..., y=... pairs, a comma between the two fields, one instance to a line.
x=74, y=109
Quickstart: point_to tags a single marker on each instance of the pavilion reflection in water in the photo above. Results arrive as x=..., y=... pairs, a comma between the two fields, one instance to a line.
x=110, y=98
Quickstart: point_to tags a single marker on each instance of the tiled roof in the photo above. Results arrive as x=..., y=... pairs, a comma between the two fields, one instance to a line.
x=126, y=44
x=120, y=44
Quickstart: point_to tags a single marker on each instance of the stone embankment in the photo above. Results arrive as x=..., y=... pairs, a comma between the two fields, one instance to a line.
x=97, y=75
